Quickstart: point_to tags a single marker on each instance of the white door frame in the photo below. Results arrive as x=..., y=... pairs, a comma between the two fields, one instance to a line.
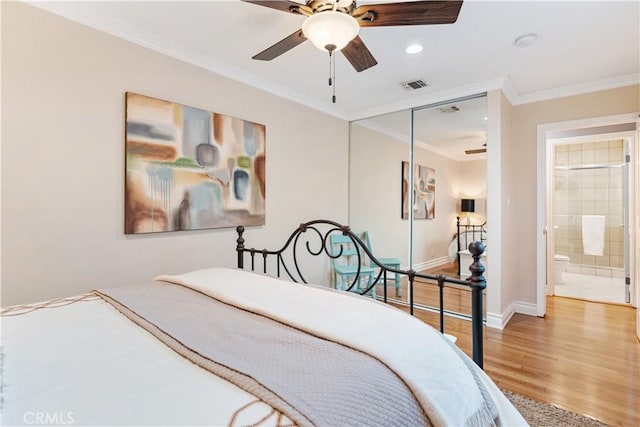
x=544, y=235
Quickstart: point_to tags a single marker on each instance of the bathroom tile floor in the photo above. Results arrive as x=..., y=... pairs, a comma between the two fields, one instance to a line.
x=593, y=288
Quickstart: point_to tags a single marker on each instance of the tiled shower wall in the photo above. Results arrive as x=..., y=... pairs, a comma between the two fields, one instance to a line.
x=590, y=192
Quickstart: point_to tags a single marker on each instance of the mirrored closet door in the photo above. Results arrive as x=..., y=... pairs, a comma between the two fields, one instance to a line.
x=439, y=150
x=449, y=150
x=378, y=147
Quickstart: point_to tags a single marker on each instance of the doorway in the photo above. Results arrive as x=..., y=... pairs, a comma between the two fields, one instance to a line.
x=590, y=205
x=587, y=227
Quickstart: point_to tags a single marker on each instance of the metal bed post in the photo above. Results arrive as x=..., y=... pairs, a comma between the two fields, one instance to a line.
x=264, y=261
x=479, y=283
x=240, y=246
x=412, y=276
x=458, y=240
x=384, y=281
x=441, y=280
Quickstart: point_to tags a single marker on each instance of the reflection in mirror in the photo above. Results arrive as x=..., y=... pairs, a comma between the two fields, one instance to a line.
x=378, y=146
x=449, y=156
x=450, y=139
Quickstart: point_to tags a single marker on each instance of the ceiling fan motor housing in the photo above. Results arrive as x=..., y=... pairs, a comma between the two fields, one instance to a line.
x=344, y=6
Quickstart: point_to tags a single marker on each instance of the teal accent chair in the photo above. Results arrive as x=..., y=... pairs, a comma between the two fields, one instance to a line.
x=387, y=262
x=345, y=266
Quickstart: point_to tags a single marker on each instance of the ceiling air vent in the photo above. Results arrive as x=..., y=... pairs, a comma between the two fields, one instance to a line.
x=414, y=84
x=449, y=109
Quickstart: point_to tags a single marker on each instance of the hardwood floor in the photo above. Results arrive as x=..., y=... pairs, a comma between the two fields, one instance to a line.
x=582, y=356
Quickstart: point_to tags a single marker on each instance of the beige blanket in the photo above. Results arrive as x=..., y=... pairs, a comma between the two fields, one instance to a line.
x=314, y=382
x=441, y=380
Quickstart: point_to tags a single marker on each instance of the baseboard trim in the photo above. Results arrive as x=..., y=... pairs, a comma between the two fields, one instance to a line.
x=499, y=321
x=526, y=308
x=433, y=263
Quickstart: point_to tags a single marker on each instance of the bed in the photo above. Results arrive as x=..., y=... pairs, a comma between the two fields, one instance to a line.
x=459, y=246
x=230, y=347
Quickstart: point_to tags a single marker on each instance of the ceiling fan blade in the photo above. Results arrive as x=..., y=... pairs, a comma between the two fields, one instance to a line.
x=476, y=151
x=358, y=55
x=408, y=13
x=281, y=47
x=283, y=5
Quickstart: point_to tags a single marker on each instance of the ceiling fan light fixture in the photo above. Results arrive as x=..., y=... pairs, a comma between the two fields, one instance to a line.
x=331, y=28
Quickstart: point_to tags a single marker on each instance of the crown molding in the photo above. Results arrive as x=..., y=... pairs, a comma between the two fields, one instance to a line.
x=432, y=98
x=371, y=125
x=577, y=89
x=509, y=90
x=70, y=10
x=161, y=45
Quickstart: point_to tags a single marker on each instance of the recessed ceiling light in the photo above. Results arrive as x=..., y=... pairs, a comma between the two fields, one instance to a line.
x=526, y=40
x=413, y=49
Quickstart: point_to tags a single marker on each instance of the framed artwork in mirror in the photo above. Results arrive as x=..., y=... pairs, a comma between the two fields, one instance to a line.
x=423, y=200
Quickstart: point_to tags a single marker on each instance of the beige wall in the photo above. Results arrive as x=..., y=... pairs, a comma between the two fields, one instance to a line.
x=63, y=88
x=473, y=185
x=525, y=119
x=508, y=170
x=431, y=238
x=497, y=231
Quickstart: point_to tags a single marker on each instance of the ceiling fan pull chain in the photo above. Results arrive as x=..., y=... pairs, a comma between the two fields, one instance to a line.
x=333, y=75
x=330, y=74
x=332, y=69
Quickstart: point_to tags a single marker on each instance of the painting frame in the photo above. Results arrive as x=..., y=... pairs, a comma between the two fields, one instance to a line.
x=423, y=199
x=190, y=169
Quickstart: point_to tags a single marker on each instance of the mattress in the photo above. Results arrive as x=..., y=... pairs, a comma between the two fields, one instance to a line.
x=80, y=361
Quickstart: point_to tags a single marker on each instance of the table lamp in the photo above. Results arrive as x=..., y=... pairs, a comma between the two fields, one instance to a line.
x=468, y=205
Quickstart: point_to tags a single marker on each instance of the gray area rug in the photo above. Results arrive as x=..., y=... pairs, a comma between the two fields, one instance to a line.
x=540, y=414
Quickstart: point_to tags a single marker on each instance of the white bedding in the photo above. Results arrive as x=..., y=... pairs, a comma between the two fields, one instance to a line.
x=466, y=237
x=86, y=364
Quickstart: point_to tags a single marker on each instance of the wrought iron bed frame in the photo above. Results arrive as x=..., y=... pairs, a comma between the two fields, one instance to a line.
x=476, y=282
x=473, y=229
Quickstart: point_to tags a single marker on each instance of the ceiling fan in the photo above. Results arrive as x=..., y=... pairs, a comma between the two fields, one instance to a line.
x=477, y=150
x=333, y=25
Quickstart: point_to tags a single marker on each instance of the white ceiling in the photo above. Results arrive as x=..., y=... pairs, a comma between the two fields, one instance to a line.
x=582, y=46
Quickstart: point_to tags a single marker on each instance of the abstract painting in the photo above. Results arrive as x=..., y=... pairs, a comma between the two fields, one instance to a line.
x=424, y=192
x=190, y=169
